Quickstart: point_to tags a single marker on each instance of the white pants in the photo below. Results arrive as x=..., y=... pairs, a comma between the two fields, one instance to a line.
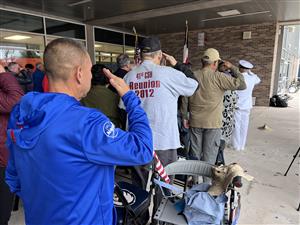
x=239, y=134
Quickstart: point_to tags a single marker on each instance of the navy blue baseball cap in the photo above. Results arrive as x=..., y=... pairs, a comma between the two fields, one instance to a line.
x=150, y=44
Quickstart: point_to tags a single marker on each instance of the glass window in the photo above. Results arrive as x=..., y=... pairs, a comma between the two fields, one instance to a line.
x=49, y=39
x=19, y=47
x=65, y=29
x=130, y=40
x=21, y=22
x=141, y=39
x=108, y=36
x=107, y=53
x=130, y=52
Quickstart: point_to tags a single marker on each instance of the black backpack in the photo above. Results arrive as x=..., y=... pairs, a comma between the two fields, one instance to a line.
x=277, y=101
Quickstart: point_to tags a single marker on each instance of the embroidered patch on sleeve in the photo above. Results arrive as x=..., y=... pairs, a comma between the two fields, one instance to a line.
x=109, y=130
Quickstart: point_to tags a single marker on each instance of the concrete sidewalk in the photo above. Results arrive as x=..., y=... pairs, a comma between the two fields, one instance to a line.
x=271, y=198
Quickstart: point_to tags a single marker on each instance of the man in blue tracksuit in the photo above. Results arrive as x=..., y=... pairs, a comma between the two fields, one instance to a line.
x=62, y=155
x=37, y=78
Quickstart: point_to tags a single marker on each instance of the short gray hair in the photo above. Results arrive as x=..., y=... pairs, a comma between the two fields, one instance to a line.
x=151, y=54
x=123, y=60
x=62, y=56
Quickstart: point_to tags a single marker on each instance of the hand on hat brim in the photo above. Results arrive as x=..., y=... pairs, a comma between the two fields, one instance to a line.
x=170, y=59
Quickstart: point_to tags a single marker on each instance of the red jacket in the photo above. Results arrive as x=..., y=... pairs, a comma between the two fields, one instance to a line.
x=10, y=94
x=45, y=84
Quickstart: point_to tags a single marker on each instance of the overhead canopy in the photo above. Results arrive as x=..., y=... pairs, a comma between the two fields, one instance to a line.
x=168, y=16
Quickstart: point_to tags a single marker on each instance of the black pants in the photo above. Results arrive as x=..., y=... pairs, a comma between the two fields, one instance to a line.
x=6, y=199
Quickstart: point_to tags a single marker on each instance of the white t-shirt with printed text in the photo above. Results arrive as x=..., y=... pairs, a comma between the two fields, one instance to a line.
x=159, y=88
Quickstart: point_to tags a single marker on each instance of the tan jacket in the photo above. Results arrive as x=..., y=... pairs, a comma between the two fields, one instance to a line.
x=206, y=104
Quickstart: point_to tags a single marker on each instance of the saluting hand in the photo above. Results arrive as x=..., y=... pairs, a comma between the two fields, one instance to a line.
x=227, y=64
x=117, y=82
x=170, y=59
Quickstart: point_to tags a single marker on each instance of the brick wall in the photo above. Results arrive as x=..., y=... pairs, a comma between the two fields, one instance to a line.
x=228, y=40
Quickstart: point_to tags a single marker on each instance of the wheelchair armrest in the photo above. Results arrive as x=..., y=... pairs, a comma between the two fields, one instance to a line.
x=162, y=185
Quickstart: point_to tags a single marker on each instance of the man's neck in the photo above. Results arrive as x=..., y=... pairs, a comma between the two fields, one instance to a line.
x=151, y=60
x=59, y=87
x=125, y=68
x=209, y=67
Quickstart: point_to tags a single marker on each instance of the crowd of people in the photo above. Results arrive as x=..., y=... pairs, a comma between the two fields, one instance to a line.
x=63, y=133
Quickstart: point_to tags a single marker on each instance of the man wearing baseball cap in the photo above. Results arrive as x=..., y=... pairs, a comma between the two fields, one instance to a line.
x=159, y=88
x=206, y=105
x=244, y=105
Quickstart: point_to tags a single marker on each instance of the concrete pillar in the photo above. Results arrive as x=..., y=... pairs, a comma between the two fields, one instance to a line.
x=90, y=42
x=277, y=58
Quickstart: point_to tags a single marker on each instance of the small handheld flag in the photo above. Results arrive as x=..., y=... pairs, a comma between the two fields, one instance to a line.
x=186, y=44
x=137, y=50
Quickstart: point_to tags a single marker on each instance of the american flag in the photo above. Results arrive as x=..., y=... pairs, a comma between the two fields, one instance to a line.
x=160, y=169
x=186, y=44
x=137, y=50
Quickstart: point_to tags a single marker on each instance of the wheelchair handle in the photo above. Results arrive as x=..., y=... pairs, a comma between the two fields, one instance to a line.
x=237, y=181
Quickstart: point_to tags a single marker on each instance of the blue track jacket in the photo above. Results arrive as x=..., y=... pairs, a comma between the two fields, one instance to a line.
x=62, y=157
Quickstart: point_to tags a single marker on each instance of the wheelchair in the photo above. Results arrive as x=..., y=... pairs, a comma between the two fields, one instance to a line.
x=166, y=212
x=131, y=210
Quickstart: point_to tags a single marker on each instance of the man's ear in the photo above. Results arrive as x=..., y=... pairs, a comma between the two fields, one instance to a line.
x=78, y=74
x=159, y=57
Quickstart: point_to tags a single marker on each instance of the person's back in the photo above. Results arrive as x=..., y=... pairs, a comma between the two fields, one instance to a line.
x=66, y=186
x=53, y=177
x=206, y=104
x=37, y=77
x=10, y=94
x=245, y=96
x=159, y=88
x=244, y=105
x=102, y=98
x=120, y=72
x=29, y=70
x=62, y=153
